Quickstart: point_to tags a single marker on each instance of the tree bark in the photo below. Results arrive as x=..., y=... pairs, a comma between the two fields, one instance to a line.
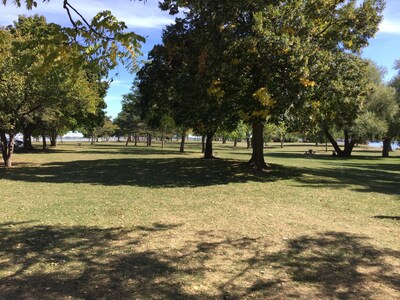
x=257, y=157
x=149, y=137
x=136, y=139
x=128, y=139
x=92, y=139
x=348, y=144
x=333, y=142
x=53, y=138
x=223, y=140
x=387, y=147
x=208, y=151
x=182, y=147
x=27, y=132
x=162, y=139
x=203, y=143
x=248, y=141
x=234, y=142
x=44, y=144
x=7, y=149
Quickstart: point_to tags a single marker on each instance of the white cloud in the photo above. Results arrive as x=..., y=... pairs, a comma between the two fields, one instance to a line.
x=390, y=26
x=135, y=14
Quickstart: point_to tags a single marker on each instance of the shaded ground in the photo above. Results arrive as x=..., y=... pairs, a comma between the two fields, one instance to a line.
x=57, y=262
x=183, y=171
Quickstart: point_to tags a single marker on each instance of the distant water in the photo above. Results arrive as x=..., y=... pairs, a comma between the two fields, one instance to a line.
x=380, y=145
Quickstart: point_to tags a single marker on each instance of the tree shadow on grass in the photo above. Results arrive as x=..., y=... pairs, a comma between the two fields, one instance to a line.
x=369, y=177
x=152, y=172
x=340, y=266
x=170, y=172
x=395, y=218
x=112, y=149
x=57, y=262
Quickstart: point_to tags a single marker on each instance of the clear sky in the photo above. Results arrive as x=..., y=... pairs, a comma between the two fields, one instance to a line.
x=147, y=19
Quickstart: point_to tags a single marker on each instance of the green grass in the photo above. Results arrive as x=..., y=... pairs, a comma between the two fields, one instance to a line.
x=115, y=222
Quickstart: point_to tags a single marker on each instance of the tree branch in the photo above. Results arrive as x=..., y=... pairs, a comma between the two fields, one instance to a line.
x=68, y=6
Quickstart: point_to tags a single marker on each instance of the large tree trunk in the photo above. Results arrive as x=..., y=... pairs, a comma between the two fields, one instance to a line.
x=387, y=147
x=182, y=147
x=348, y=144
x=27, y=132
x=333, y=142
x=44, y=144
x=7, y=149
x=257, y=157
x=208, y=151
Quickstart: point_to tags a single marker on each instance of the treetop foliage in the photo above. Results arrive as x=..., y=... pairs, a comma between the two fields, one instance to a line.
x=103, y=38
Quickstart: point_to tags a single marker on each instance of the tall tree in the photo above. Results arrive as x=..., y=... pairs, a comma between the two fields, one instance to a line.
x=38, y=77
x=266, y=51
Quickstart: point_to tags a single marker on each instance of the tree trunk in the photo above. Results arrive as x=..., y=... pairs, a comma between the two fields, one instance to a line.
x=27, y=132
x=282, y=142
x=234, y=142
x=257, y=157
x=128, y=139
x=7, y=149
x=136, y=139
x=53, y=138
x=162, y=139
x=149, y=140
x=333, y=142
x=44, y=144
x=208, y=151
x=348, y=144
x=223, y=140
x=182, y=147
x=248, y=141
x=387, y=147
x=203, y=143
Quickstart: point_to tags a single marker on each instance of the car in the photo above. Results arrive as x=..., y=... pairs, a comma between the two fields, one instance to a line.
x=17, y=144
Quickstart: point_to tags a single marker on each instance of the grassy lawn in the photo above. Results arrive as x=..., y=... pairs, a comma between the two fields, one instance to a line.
x=115, y=222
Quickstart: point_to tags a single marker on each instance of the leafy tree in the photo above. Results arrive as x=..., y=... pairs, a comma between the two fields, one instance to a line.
x=264, y=56
x=38, y=79
x=103, y=38
x=107, y=129
x=129, y=119
x=239, y=133
x=393, y=119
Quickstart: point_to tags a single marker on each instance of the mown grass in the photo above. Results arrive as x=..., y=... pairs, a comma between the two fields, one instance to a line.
x=115, y=222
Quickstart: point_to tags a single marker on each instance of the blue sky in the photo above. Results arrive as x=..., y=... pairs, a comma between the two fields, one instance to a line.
x=148, y=20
